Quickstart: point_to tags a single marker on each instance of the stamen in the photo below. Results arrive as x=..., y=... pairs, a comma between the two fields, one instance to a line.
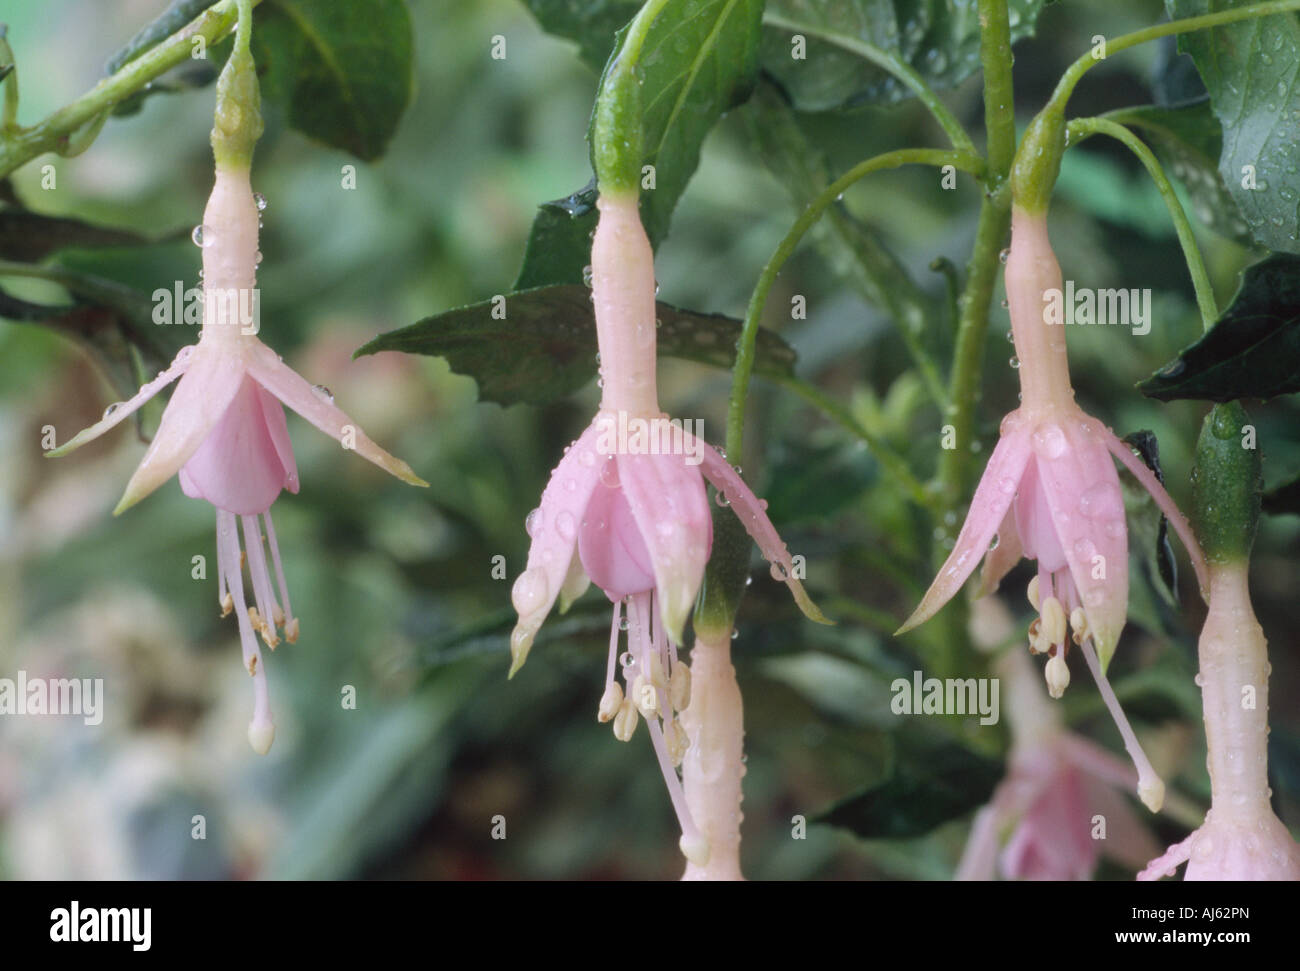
x=224, y=599
x=1151, y=789
x=610, y=702
x=1058, y=675
x=290, y=621
x=228, y=544
x=676, y=740
x=1033, y=594
x=679, y=686
x=694, y=845
x=1053, y=621
x=261, y=580
x=261, y=730
x=625, y=721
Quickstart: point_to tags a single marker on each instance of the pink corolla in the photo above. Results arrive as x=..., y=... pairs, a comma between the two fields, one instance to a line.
x=1062, y=801
x=626, y=508
x=223, y=433
x=1051, y=493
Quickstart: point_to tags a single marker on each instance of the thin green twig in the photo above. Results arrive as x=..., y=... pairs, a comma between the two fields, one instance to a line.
x=1081, y=128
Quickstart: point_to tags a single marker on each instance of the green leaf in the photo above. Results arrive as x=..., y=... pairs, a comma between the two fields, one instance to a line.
x=937, y=38
x=816, y=482
x=927, y=789
x=699, y=59
x=1283, y=499
x=1253, y=351
x=559, y=244
x=544, y=347
x=1252, y=71
x=1188, y=141
x=592, y=24
x=341, y=68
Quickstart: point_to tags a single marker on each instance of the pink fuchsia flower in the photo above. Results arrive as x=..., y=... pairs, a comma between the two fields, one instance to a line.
x=1061, y=801
x=626, y=508
x=1051, y=493
x=223, y=434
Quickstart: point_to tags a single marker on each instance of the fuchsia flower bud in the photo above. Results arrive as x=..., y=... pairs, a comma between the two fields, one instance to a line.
x=223, y=433
x=626, y=508
x=1051, y=493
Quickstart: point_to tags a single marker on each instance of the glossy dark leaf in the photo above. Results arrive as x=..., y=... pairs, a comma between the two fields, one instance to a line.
x=341, y=68
x=1253, y=351
x=937, y=38
x=1251, y=70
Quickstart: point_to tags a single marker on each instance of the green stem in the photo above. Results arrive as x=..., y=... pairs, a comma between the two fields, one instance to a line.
x=744, y=366
x=1065, y=87
x=999, y=94
x=961, y=141
x=982, y=270
x=21, y=145
x=1081, y=128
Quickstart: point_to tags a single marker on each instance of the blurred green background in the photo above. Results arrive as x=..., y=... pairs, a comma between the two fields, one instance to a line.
x=394, y=585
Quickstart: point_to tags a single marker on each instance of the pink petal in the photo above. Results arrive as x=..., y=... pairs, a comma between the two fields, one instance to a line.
x=209, y=384
x=291, y=388
x=238, y=467
x=1166, y=503
x=127, y=408
x=671, y=507
x=278, y=428
x=1000, y=560
x=1082, y=489
x=554, y=530
x=1034, y=522
x=610, y=546
x=752, y=513
x=987, y=510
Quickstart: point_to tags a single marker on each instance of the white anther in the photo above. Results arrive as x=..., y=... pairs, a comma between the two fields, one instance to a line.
x=610, y=702
x=1053, y=628
x=625, y=721
x=1058, y=675
x=679, y=687
x=1033, y=593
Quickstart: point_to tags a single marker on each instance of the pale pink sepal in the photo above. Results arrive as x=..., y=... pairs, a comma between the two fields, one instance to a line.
x=988, y=509
x=671, y=506
x=1165, y=502
x=752, y=513
x=201, y=397
x=1082, y=490
x=266, y=368
x=127, y=408
x=554, y=530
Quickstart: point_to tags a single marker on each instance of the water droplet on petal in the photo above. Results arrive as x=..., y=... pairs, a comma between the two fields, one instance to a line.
x=565, y=526
x=533, y=522
x=112, y=408
x=324, y=393
x=260, y=200
x=1049, y=440
x=529, y=591
x=202, y=236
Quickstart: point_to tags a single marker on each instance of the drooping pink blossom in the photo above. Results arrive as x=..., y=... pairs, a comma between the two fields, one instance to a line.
x=1051, y=493
x=626, y=508
x=224, y=435
x=1061, y=800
